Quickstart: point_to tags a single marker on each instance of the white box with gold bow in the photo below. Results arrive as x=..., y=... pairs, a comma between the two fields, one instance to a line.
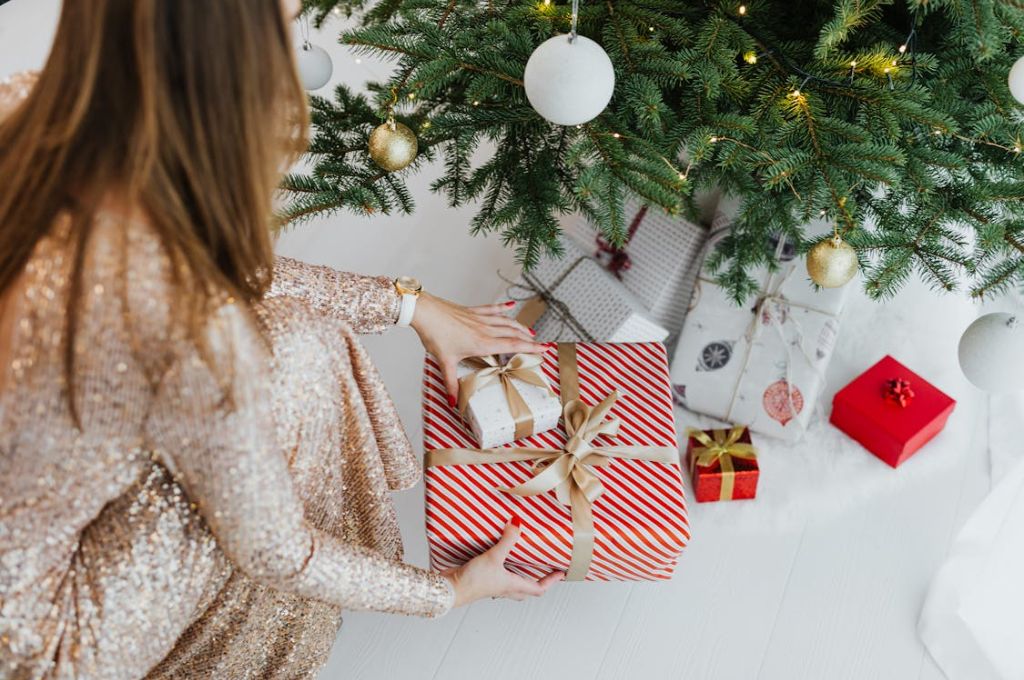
x=505, y=400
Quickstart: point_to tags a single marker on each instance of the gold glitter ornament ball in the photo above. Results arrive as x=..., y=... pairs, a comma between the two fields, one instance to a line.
x=392, y=146
x=832, y=262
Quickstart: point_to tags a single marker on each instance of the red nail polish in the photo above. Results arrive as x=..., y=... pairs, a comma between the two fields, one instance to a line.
x=451, y=401
x=532, y=332
x=516, y=521
x=510, y=303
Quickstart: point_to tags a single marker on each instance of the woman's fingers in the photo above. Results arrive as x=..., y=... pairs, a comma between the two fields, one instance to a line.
x=551, y=579
x=513, y=346
x=503, y=547
x=502, y=326
x=450, y=379
x=499, y=309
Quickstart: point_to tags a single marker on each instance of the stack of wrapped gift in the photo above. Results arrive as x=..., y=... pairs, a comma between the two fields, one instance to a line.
x=599, y=497
x=575, y=299
x=638, y=292
x=761, y=364
x=658, y=262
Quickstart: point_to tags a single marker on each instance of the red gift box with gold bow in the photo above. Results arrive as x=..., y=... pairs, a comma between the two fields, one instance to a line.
x=891, y=410
x=723, y=464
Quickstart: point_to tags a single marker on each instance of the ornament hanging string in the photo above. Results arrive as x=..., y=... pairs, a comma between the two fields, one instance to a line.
x=575, y=19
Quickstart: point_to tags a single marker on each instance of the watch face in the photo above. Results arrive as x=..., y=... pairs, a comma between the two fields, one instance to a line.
x=409, y=283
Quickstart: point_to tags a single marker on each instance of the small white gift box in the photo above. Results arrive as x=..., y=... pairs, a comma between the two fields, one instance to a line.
x=503, y=401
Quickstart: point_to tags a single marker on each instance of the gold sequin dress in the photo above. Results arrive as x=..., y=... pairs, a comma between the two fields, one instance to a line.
x=181, y=533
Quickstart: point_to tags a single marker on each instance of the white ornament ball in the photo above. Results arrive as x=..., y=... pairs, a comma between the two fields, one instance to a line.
x=569, y=83
x=1016, y=80
x=315, y=67
x=991, y=352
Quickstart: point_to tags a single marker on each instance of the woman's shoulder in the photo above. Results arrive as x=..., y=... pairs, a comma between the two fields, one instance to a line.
x=14, y=89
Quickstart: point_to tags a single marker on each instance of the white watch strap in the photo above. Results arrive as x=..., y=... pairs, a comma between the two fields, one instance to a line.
x=408, y=308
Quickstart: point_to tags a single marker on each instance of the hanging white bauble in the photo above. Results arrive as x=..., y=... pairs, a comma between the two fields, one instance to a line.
x=569, y=83
x=1016, y=80
x=991, y=352
x=315, y=67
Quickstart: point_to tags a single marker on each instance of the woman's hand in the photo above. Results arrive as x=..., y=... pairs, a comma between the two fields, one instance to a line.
x=452, y=333
x=485, y=575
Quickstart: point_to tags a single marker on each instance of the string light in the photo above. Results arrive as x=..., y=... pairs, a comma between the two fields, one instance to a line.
x=742, y=9
x=651, y=29
x=712, y=139
x=795, y=94
x=616, y=135
x=903, y=48
x=476, y=102
x=412, y=95
x=750, y=57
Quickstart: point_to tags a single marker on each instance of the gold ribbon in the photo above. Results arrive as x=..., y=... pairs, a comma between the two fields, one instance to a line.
x=721, y=447
x=489, y=370
x=567, y=471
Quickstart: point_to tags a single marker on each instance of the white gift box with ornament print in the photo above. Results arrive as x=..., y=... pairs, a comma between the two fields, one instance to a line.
x=761, y=364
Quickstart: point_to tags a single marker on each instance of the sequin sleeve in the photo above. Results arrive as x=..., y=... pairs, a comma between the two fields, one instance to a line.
x=221, y=445
x=15, y=88
x=369, y=304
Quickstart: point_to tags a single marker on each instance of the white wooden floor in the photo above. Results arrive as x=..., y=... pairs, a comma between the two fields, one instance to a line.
x=831, y=599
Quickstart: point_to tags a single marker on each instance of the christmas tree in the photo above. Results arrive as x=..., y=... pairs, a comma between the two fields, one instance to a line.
x=892, y=120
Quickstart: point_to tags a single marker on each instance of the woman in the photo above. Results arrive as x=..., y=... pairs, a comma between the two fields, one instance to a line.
x=196, y=453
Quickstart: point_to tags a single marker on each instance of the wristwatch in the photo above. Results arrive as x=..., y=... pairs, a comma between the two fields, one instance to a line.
x=410, y=289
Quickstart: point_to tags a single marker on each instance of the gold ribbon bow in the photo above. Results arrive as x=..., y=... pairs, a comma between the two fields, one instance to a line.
x=525, y=367
x=721, y=447
x=567, y=471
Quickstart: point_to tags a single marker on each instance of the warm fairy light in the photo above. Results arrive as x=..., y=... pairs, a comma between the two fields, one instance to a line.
x=712, y=140
x=1016, y=148
x=579, y=127
x=476, y=102
x=795, y=94
x=822, y=213
x=903, y=48
x=742, y=9
x=426, y=124
x=547, y=2
x=412, y=95
x=887, y=69
x=938, y=131
x=358, y=60
x=750, y=57
x=893, y=62
x=853, y=64
x=682, y=176
x=616, y=135
x=651, y=29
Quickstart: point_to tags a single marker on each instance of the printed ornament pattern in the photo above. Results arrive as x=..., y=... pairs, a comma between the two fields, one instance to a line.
x=761, y=364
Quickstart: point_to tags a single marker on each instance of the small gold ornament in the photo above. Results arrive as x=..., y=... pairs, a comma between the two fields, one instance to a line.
x=832, y=262
x=392, y=145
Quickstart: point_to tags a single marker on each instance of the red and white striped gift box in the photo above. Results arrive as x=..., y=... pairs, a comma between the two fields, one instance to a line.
x=640, y=520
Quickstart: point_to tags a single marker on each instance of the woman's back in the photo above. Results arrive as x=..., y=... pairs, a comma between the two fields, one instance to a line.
x=57, y=475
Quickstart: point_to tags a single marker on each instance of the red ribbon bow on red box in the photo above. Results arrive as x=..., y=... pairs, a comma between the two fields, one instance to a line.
x=899, y=391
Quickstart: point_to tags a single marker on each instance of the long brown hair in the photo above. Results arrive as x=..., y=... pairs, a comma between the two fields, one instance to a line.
x=188, y=108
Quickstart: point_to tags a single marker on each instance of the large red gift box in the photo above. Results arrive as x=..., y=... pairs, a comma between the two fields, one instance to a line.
x=891, y=410
x=638, y=520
